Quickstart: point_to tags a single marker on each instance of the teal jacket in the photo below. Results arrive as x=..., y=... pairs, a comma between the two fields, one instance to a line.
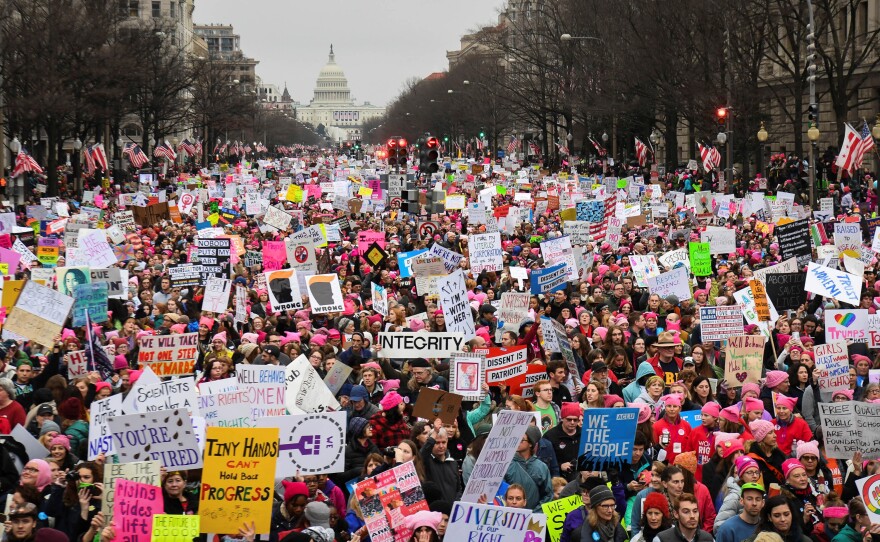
x=635, y=388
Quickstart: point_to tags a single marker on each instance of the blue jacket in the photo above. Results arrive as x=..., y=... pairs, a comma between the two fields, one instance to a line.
x=634, y=389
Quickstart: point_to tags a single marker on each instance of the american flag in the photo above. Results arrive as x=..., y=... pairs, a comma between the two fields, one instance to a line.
x=198, y=146
x=710, y=156
x=599, y=229
x=536, y=150
x=641, y=152
x=854, y=148
x=88, y=159
x=135, y=155
x=100, y=156
x=480, y=145
x=24, y=162
x=187, y=147
x=512, y=146
x=563, y=149
x=247, y=148
x=599, y=148
x=165, y=150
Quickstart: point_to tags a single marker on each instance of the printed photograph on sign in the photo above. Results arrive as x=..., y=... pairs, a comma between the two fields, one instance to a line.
x=283, y=290
x=325, y=295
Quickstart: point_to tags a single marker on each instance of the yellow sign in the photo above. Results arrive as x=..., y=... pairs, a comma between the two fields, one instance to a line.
x=11, y=291
x=238, y=478
x=4, y=268
x=175, y=528
x=294, y=193
x=365, y=191
x=213, y=218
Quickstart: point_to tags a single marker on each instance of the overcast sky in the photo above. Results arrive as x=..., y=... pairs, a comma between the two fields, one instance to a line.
x=379, y=44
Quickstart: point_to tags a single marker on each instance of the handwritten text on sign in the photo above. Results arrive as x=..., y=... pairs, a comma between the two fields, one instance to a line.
x=169, y=355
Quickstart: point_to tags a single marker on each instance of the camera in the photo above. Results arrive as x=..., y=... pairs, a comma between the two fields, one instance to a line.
x=93, y=490
x=72, y=476
x=388, y=452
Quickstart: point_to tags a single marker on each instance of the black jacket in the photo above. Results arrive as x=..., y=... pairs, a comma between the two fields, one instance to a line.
x=672, y=534
x=443, y=473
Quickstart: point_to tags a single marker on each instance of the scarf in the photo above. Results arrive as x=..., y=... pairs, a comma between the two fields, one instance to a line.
x=606, y=530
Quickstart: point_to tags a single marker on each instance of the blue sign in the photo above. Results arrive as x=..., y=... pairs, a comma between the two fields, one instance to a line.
x=693, y=417
x=404, y=261
x=549, y=279
x=608, y=434
x=89, y=299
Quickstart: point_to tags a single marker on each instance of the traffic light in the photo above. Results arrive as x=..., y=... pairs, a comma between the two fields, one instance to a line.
x=402, y=152
x=482, y=133
x=721, y=115
x=813, y=112
x=429, y=148
x=392, y=151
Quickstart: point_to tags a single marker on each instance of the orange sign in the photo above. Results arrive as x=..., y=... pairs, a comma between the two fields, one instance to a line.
x=762, y=307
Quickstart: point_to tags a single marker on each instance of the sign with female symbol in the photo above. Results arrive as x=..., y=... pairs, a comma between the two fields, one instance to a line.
x=309, y=443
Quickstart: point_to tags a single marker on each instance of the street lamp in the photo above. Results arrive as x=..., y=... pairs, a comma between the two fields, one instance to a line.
x=569, y=37
x=655, y=137
x=15, y=145
x=813, y=135
x=762, y=133
x=604, y=137
x=77, y=145
x=721, y=138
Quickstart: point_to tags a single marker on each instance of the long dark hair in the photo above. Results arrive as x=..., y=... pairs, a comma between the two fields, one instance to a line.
x=767, y=525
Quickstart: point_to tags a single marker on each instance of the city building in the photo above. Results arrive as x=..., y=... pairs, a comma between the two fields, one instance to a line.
x=270, y=97
x=333, y=107
x=225, y=45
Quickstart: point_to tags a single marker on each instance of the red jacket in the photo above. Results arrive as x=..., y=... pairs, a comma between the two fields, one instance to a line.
x=679, y=437
x=787, y=434
x=707, y=507
x=702, y=441
x=655, y=364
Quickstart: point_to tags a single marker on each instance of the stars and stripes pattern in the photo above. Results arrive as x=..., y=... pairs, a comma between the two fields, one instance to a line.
x=599, y=229
x=710, y=156
x=599, y=148
x=563, y=149
x=641, y=152
x=165, y=150
x=135, y=155
x=187, y=147
x=513, y=145
x=854, y=148
x=88, y=159
x=24, y=163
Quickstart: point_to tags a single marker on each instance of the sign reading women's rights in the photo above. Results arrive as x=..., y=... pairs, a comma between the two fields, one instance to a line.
x=469, y=521
x=238, y=481
x=849, y=427
x=166, y=436
x=745, y=359
x=501, y=444
x=607, y=435
x=169, y=355
x=832, y=368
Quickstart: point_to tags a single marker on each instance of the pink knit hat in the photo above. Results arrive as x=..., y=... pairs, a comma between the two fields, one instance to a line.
x=391, y=400
x=775, y=378
x=753, y=404
x=791, y=465
x=787, y=402
x=750, y=387
x=808, y=447
x=711, y=409
x=744, y=463
x=60, y=440
x=219, y=337
x=760, y=429
x=846, y=393
x=730, y=414
x=252, y=338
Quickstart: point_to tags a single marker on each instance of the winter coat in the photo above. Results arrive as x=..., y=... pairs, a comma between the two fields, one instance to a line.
x=636, y=387
x=730, y=506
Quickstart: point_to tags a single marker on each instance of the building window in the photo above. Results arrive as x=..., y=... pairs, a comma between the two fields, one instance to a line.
x=157, y=8
x=173, y=12
x=130, y=8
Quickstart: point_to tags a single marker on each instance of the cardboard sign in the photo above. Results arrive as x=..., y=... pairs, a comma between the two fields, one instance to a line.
x=433, y=404
x=133, y=510
x=399, y=345
x=39, y=313
x=309, y=443
x=832, y=368
x=833, y=283
x=175, y=528
x=607, y=435
x=701, y=259
x=144, y=472
x=306, y=392
x=745, y=360
x=786, y=290
x=165, y=436
x=501, y=444
x=470, y=521
x=388, y=499
x=325, y=294
x=848, y=325
x=719, y=323
x=762, y=306
x=849, y=427
x=514, y=308
x=238, y=480
x=336, y=377
x=485, y=253
x=169, y=355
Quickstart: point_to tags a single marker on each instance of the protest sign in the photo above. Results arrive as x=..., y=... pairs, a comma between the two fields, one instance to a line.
x=144, y=472
x=873, y=331
x=95, y=249
x=77, y=364
x=274, y=255
x=309, y=443
x=559, y=250
x=470, y=521
x=578, y=231
x=467, y=374
x=607, y=435
x=849, y=427
x=548, y=279
x=832, y=368
x=380, y=299
x=185, y=275
x=175, y=393
x=721, y=240
x=745, y=360
x=759, y=295
x=34, y=448
x=399, y=345
x=433, y=404
x=485, y=252
x=238, y=480
x=165, y=436
x=834, y=283
x=701, y=259
x=405, y=260
x=388, y=499
x=794, y=240
x=504, y=363
x=283, y=290
x=675, y=282
x=786, y=290
x=676, y=258
x=501, y=444
x=454, y=303
x=133, y=510
x=787, y=266
x=557, y=510
x=169, y=355
x=116, y=280
x=336, y=377
x=325, y=294
x=39, y=313
x=175, y=528
x=643, y=268
x=214, y=257
x=276, y=218
x=514, y=308
x=427, y=270
x=100, y=436
x=306, y=392
x=848, y=238
x=719, y=323
x=848, y=325
x=217, y=295
x=266, y=385
x=301, y=253
x=450, y=258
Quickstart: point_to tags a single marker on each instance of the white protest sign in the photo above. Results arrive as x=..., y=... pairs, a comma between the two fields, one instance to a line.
x=165, y=436
x=325, y=294
x=309, y=443
x=217, y=295
x=176, y=393
x=834, y=283
x=283, y=290
x=501, y=444
x=721, y=240
x=306, y=392
x=787, y=266
x=264, y=384
x=849, y=427
x=719, y=323
x=515, y=527
x=746, y=298
x=380, y=299
x=559, y=250
x=676, y=258
x=450, y=258
x=832, y=368
x=644, y=267
x=77, y=364
x=485, y=253
x=848, y=238
x=514, y=308
x=400, y=345
x=100, y=438
x=276, y=218
x=673, y=282
x=147, y=379
x=454, y=303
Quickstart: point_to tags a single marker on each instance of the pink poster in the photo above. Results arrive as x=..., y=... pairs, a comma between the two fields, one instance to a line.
x=368, y=237
x=274, y=255
x=133, y=510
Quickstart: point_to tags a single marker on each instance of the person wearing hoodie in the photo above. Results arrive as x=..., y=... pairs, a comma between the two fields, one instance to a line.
x=530, y=472
x=747, y=471
x=635, y=388
x=321, y=488
x=360, y=446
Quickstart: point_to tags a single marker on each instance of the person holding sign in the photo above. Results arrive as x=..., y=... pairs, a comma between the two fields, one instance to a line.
x=175, y=496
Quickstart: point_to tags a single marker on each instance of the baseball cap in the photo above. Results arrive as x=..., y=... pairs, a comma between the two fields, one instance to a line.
x=752, y=485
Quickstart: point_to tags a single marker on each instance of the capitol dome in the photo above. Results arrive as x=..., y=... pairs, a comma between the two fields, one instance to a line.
x=332, y=86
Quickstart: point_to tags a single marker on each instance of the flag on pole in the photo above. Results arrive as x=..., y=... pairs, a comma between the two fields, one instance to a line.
x=187, y=147
x=536, y=150
x=24, y=162
x=100, y=156
x=641, y=152
x=599, y=148
x=511, y=147
x=135, y=155
x=88, y=159
x=165, y=150
x=710, y=156
x=849, y=149
x=865, y=146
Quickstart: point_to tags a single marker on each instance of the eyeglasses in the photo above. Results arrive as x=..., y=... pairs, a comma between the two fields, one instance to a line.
x=572, y=420
x=30, y=469
x=607, y=506
x=809, y=458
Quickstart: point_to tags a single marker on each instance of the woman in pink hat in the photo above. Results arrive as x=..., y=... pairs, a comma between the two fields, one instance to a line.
x=789, y=428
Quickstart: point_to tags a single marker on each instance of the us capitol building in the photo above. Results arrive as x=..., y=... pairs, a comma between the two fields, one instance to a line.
x=333, y=106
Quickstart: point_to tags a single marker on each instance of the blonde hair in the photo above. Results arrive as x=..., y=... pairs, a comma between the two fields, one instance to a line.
x=767, y=536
